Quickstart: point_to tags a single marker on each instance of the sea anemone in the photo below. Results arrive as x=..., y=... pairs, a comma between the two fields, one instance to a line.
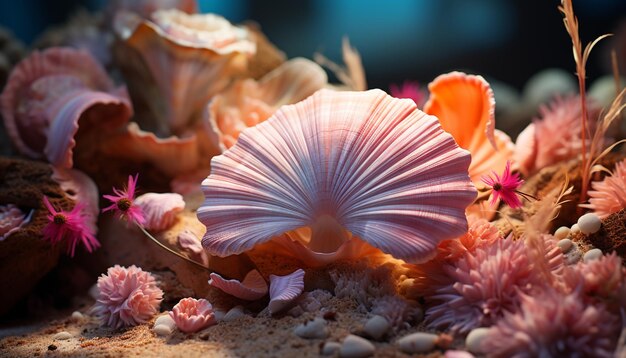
x=609, y=195
x=12, y=219
x=72, y=226
x=127, y=297
x=340, y=164
x=410, y=90
x=192, y=315
x=479, y=234
x=553, y=324
x=603, y=279
x=123, y=203
x=505, y=187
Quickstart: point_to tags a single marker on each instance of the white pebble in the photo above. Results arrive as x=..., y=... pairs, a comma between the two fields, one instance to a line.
x=62, y=336
x=561, y=233
x=589, y=223
x=165, y=320
x=312, y=329
x=219, y=315
x=330, y=348
x=356, y=347
x=419, y=342
x=77, y=316
x=592, y=254
x=474, y=340
x=234, y=313
x=376, y=327
x=575, y=229
x=565, y=245
x=162, y=330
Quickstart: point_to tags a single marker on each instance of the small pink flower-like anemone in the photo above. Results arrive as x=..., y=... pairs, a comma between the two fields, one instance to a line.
x=483, y=285
x=127, y=297
x=553, y=324
x=609, y=195
x=410, y=90
x=602, y=279
x=192, y=315
x=123, y=203
x=72, y=226
x=479, y=234
x=12, y=219
x=505, y=187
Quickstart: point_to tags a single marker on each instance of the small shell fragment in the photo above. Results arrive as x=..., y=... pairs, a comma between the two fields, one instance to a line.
x=589, y=223
x=162, y=330
x=330, y=348
x=165, y=320
x=356, y=347
x=315, y=329
x=77, y=316
x=376, y=327
x=419, y=342
x=234, y=313
x=62, y=336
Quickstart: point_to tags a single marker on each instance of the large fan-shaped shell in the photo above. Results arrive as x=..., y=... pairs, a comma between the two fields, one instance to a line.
x=378, y=166
x=251, y=288
x=465, y=107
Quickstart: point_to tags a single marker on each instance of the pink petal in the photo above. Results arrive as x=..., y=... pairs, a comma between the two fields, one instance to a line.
x=377, y=165
x=285, y=289
x=251, y=288
x=160, y=209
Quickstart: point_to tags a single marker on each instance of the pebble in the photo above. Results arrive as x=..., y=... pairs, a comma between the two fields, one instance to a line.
x=474, y=339
x=77, y=316
x=376, y=327
x=565, y=245
x=62, y=336
x=589, y=223
x=356, y=347
x=419, y=342
x=458, y=354
x=561, y=233
x=575, y=229
x=592, y=254
x=162, y=330
x=312, y=329
x=165, y=320
x=219, y=315
x=233, y=314
x=330, y=348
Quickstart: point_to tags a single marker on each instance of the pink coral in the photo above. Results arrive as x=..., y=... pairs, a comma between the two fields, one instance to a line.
x=73, y=226
x=480, y=233
x=604, y=279
x=411, y=90
x=127, y=297
x=552, y=324
x=609, y=195
x=124, y=203
x=12, y=219
x=483, y=285
x=505, y=187
x=192, y=315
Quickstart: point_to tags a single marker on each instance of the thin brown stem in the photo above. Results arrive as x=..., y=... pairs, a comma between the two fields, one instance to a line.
x=161, y=245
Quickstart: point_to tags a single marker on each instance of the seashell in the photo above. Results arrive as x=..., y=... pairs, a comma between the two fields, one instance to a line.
x=162, y=330
x=177, y=62
x=48, y=94
x=62, y=336
x=465, y=107
x=340, y=162
x=160, y=209
x=12, y=219
x=165, y=320
x=356, y=347
x=81, y=188
x=285, y=289
x=376, y=327
x=247, y=102
x=251, y=288
x=330, y=348
x=189, y=242
x=419, y=342
x=233, y=314
x=315, y=329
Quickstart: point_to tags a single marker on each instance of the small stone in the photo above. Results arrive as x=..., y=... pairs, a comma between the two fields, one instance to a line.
x=589, y=223
x=356, y=347
x=561, y=233
x=219, y=315
x=593, y=254
x=474, y=340
x=419, y=342
x=575, y=229
x=376, y=327
x=458, y=354
x=165, y=320
x=330, y=348
x=234, y=313
x=313, y=329
x=52, y=347
x=77, y=316
x=62, y=336
x=162, y=330
x=565, y=245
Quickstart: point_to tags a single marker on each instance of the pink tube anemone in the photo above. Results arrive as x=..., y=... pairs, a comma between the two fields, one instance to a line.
x=341, y=165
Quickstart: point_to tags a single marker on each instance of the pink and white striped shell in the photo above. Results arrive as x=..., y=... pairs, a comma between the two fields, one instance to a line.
x=251, y=288
x=341, y=163
x=47, y=95
x=160, y=209
x=284, y=290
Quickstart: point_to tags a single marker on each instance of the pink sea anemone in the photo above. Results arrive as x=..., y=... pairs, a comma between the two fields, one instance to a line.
x=603, y=279
x=72, y=226
x=12, y=219
x=479, y=234
x=609, y=195
x=123, y=203
x=505, y=187
x=127, y=297
x=552, y=324
x=340, y=164
x=411, y=90
x=192, y=315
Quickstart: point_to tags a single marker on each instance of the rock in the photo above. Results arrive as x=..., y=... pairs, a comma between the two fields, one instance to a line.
x=474, y=340
x=592, y=254
x=565, y=244
x=219, y=315
x=575, y=229
x=162, y=330
x=561, y=233
x=376, y=327
x=165, y=320
x=315, y=329
x=330, y=348
x=419, y=342
x=589, y=223
x=62, y=336
x=234, y=313
x=77, y=316
x=356, y=347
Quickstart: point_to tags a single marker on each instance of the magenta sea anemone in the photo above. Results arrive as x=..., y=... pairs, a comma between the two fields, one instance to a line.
x=340, y=164
x=123, y=203
x=72, y=226
x=505, y=187
x=609, y=195
x=192, y=315
x=552, y=324
x=127, y=297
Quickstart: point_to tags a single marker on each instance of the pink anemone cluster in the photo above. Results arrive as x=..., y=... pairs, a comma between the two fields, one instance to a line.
x=192, y=315
x=609, y=195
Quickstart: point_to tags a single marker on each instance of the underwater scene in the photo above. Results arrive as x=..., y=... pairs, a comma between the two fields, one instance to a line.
x=184, y=178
